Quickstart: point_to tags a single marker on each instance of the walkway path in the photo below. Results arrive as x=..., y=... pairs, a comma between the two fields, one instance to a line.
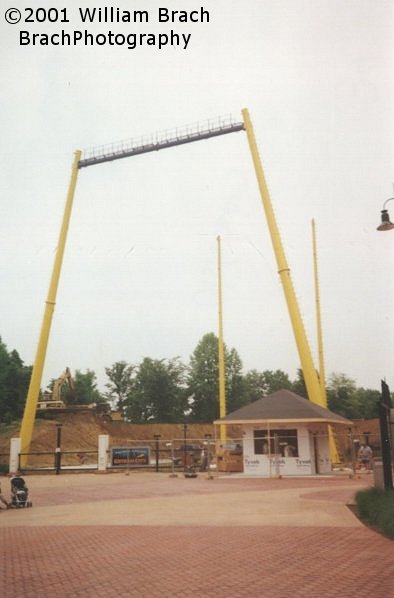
x=147, y=535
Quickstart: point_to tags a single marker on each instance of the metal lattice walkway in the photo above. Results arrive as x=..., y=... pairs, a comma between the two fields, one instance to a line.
x=162, y=140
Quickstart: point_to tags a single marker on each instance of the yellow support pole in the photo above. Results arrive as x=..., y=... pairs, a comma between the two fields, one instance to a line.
x=222, y=382
x=322, y=376
x=29, y=414
x=310, y=375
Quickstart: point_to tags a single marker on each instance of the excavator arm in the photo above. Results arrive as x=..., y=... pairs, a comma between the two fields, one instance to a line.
x=64, y=378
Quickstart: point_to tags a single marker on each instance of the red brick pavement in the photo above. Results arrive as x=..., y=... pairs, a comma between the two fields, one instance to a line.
x=193, y=561
x=196, y=562
x=55, y=490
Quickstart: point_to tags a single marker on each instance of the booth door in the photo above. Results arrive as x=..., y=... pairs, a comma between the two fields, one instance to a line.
x=316, y=453
x=321, y=451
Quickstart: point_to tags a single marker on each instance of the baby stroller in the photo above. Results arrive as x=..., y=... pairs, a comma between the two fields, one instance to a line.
x=19, y=493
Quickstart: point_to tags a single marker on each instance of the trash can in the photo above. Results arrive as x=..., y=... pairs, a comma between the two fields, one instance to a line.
x=378, y=474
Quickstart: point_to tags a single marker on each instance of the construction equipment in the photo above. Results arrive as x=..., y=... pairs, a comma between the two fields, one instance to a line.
x=53, y=400
x=229, y=457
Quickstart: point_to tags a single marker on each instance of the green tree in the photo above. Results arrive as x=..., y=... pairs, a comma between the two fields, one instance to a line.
x=276, y=380
x=235, y=387
x=14, y=382
x=340, y=394
x=86, y=391
x=254, y=386
x=299, y=386
x=259, y=384
x=204, y=380
x=351, y=402
x=157, y=392
x=120, y=383
x=365, y=403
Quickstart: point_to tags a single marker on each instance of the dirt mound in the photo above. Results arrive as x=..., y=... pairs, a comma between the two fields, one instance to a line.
x=80, y=432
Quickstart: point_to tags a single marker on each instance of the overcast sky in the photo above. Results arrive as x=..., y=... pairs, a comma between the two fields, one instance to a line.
x=139, y=276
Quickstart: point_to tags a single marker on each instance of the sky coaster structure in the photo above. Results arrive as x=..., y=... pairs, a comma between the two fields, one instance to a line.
x=126, y=149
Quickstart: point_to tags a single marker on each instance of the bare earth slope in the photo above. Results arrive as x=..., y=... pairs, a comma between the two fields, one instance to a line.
x=80, y=432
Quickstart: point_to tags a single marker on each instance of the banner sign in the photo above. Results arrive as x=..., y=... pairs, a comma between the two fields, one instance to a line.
x=136, y=456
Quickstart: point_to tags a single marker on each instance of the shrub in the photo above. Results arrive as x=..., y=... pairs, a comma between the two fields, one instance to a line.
x=376, y=507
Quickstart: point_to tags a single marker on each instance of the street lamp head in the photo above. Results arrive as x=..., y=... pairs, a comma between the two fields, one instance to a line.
x=385, y=218
x=385, y=223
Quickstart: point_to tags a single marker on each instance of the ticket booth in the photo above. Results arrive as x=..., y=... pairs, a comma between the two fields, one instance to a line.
x=284, y=434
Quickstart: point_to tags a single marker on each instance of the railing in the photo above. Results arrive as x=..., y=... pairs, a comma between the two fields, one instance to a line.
x=160, y=140
x=182, y=455
x=59, y=460
x=164, y=455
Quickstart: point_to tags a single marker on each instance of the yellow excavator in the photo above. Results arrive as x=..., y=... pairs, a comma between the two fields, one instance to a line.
x=53, y=399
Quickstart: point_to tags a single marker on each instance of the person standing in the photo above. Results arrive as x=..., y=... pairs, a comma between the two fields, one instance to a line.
x=365, y=456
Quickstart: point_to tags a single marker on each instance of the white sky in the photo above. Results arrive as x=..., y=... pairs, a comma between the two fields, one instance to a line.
x=139, y=276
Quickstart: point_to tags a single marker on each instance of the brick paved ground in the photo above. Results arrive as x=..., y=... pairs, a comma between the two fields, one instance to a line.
x=50, y=550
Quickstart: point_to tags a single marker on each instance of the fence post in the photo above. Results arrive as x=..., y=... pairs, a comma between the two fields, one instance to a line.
x=103, y=444
x=208, y=440
x=385, y=440
x=172, y=474
x=157, y=438
x=58, y=451
x=15, y=447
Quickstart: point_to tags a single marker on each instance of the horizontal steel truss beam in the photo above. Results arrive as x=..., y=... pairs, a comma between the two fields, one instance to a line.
x=158, y=145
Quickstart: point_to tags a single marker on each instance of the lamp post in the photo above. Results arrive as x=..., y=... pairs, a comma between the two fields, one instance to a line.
x=385, y=439
x=58, y=453
x=385, y=402
x=385, y=218
x=208, y=438
x=157, y=438
x=184, y=445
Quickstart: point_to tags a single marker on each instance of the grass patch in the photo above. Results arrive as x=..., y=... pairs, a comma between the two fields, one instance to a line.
x=376, y=508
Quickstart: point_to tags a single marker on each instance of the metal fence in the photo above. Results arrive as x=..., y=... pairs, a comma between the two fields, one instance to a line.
x=168, y=455
x=348, y=447
x=58, y=460
x=159, y=455
x=179, y=454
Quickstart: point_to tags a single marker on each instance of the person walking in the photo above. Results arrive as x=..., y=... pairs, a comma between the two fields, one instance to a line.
x=365, y=456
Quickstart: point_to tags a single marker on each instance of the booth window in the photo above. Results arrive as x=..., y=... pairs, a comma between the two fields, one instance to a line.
x=276, y=442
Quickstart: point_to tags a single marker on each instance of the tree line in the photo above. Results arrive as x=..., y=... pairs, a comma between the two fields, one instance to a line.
x=170, y=391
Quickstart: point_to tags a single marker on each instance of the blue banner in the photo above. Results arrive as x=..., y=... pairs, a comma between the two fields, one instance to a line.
x=136, y=456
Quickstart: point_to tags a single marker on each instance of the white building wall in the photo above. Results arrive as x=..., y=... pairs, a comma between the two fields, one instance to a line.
x=272, y=465
x=103, y=444
x=15, y=449
x=253, y=464
x=324, y=461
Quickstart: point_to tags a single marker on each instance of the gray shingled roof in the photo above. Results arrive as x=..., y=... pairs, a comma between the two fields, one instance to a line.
x=283, y=405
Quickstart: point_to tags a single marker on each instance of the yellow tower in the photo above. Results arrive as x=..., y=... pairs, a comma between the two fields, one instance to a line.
x=29, y=414
x=308, y=368
x=322, y=376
